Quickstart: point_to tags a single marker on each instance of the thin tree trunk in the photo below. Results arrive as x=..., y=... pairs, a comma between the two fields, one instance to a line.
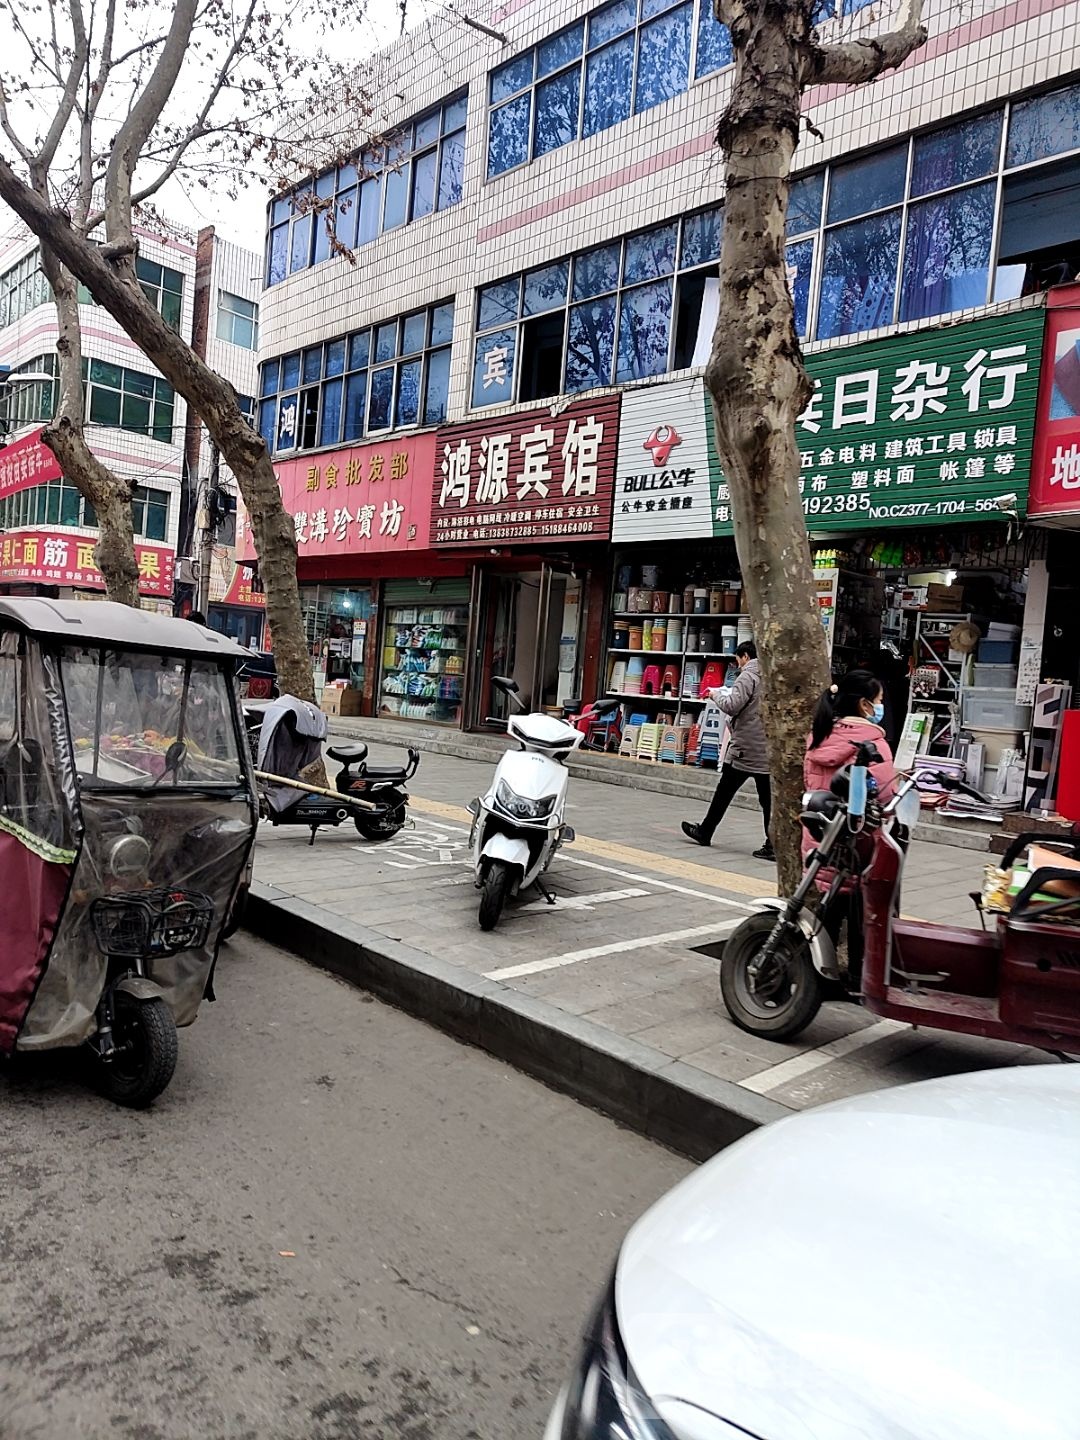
x=759, y=388
x=66, y=438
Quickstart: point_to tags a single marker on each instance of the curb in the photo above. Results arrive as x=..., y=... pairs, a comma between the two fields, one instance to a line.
x=642, y=1088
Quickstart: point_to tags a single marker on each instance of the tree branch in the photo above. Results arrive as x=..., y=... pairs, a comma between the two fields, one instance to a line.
x=857, y=61
x=80, y=60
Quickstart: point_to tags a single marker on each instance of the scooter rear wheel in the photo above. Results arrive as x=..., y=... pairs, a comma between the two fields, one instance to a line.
x=785, y=997
x=146, y=1034
x=493, y=896
x=386, y=825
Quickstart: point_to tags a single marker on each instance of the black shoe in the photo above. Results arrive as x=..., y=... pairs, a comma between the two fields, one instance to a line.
x=765, y=853
x=693, y=832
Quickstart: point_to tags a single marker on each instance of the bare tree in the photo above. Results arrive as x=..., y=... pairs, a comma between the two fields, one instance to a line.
x=756, y=375
x=256, y=105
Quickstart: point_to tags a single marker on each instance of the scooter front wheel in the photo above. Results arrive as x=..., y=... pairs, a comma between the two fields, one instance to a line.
x=783, y=998
x=493, y=894
x=145, y=1036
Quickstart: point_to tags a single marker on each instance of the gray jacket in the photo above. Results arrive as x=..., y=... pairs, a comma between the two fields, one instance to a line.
x=742, y=705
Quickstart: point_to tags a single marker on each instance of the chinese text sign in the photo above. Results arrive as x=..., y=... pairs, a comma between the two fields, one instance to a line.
x=27, y=462
x=666, y=474
x=49, y=558
x=1055, y=466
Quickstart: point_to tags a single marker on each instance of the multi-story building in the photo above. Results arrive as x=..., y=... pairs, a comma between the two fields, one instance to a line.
x=135, y=424
x=228, y=282
x=490, y=418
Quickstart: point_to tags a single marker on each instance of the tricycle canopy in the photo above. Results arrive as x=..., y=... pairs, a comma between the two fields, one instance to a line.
x=126, y=798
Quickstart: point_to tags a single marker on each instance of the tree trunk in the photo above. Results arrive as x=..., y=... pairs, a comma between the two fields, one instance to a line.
x=65, y=437
x=759, y=388
x=108, y=271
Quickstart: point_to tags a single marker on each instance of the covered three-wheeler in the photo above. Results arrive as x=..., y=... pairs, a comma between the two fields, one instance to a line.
x=127, y=817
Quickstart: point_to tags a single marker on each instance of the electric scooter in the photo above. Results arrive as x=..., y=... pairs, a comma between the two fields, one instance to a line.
x=518, y=825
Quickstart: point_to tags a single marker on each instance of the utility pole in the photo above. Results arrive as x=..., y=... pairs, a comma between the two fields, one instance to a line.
x=210, y=512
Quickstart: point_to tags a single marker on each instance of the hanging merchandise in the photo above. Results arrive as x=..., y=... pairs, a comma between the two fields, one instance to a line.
x=425, y=627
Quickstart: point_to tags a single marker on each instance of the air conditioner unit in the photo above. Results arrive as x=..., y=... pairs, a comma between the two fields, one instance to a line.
x=187, y=571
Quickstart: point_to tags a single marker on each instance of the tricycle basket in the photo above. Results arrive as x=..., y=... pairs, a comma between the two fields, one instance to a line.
x=152, y=923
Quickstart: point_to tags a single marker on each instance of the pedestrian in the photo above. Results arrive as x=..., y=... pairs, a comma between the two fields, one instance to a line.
x=849, y=714
x=196, y=617
x=747, y=755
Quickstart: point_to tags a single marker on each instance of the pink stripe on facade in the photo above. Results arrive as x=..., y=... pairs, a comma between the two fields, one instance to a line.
x=1013, y=14
x=48, y=328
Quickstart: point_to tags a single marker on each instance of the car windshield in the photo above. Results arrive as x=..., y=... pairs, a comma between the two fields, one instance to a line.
x=129, y=711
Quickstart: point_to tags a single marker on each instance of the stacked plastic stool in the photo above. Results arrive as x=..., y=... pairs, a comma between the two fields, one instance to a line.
x=673, y=745
x=628, y=743
x=648, y=745
x=712, y=733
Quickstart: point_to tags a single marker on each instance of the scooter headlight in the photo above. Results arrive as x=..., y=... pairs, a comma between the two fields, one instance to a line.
x=521, y=808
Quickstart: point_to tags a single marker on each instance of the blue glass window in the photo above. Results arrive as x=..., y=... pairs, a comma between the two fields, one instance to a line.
x=408, y=393
x=278, y=261
x=330, y=417
x=596, y=271
x=590, y=344
x=355, y=402
x=508, y=135
x=545, y=289
x=335, y=357
x=498, y=303
x=396, y=201
x=413, y=330
x=663, y=63
x=701, y=237
x=386, y=346
x=370, y=204
x=804, y=203
x=650, y=255
x=424, y=183
x=345, y=217
x=800, y=266
x=947, y=253
x=290, y=371
x=426, y=131
x=967, y=151
x=868, y=184
x=268, y=378
x=556, y=111
x=454, y=115
x=381, y=398
x=268, y=421
x=714, y=49
x=511, y=78
x=493, y=368
x=438, y=388
x=1044, y=125
x=300, y=245
x=451, y=170
x=613, y=20
x=442, y=324
x=609, y=83
x=287, y=422
x=312, y=365
x=644, y=324
x=560, y=50
x=858, y=282
x=359, y=349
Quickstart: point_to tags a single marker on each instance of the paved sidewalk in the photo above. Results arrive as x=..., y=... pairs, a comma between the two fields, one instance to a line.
x=627, y=944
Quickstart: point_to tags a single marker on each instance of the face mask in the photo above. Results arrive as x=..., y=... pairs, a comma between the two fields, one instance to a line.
x=877, y=715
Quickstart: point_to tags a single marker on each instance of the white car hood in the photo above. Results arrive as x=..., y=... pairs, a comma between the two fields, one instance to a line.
x=904, y=1266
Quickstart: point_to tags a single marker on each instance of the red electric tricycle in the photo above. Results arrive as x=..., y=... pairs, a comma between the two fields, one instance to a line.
x=1017, y=978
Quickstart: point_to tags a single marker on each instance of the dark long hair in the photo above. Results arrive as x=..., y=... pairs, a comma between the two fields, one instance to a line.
x=843, y=699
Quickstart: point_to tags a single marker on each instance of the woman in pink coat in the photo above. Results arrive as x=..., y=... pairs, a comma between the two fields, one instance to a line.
x=848, y=715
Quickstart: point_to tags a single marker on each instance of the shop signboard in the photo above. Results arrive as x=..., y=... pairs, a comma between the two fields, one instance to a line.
x=27, y=462
x=666, y=474
x=359, y=500
x=927, y=428
x=49, y=557
x=1055, y=467
x=534, y=477
x=239, y=590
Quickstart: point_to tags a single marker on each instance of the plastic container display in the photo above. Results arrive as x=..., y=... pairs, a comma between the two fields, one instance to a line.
x=996, y=652
x=994, y=677
x=994, y=709
x=995, y=743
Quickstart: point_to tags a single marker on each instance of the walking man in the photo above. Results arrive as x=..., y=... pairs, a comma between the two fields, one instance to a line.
x=747, y=755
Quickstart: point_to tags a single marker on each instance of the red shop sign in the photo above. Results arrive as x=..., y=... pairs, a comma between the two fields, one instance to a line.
x=369, y=498
x=1055, y=463
x=240, y=592
x=49, y=557
x=527, y=478
x=27, y=462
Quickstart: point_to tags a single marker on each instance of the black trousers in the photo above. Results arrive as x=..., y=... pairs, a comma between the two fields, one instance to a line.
x=730, y=782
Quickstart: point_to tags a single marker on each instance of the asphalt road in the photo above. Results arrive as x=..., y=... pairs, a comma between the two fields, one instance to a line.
x=337, y=1222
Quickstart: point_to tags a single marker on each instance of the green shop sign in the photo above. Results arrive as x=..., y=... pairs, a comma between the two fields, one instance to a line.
x=922, y=429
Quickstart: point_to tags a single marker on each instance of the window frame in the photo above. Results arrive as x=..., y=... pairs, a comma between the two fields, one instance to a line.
x=224, y=309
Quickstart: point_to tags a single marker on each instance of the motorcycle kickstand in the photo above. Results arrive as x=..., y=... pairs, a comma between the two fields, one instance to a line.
x=544, y=891
x=314, y=832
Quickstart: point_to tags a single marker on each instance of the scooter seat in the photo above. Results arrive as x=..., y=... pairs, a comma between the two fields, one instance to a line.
x=347, y=754
x=384, y=772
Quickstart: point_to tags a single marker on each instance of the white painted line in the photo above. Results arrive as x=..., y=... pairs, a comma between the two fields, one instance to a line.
x=581, y=902
x=656, y=884
x=616, y=947
x=800, y=1065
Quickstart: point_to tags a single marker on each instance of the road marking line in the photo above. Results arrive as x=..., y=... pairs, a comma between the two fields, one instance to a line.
x=628, y=855
x=800, y=1065
x=582, y=902
x=656, y=884
x=615, y=947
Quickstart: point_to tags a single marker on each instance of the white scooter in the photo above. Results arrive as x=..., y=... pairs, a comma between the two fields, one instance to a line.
x=518, y=824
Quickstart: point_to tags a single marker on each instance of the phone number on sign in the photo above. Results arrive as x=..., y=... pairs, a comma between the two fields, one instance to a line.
x=856, y=504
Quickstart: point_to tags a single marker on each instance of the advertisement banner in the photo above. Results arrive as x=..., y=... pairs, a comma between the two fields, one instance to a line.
x=666, y=473
x=27, y=462
x=358, y=500
x=48, y=557
x=239, y=590
x=529, y=478
x=929, y=428
x=1055, y=467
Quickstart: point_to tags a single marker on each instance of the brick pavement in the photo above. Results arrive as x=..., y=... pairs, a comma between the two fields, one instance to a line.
x=626, y=943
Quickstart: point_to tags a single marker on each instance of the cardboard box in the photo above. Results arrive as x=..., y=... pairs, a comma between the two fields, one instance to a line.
x=337, y=701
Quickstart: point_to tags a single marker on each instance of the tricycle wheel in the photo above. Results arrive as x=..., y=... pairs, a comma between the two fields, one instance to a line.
x=145, y=1035
x=784, y=998
x=493, y=898
x=387, y=824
